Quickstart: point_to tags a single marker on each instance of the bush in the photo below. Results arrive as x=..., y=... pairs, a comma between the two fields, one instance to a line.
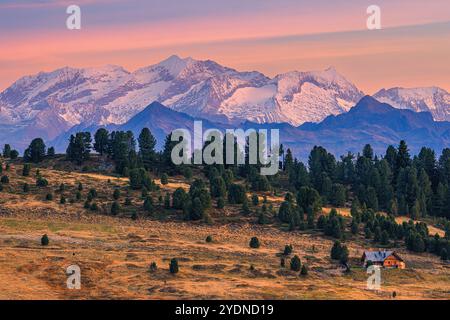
x=93, y=207
x=245, y=208
x=254, y=243
x=173, y=266
x=80, y=186
x=153, y=267
x=41, y=182
x=78, y=195
x=236, y=194
x=179, y=198
x=128, y=201
x=304, y=270
x=282, y=262
x=209, y=239
x=49, y=197
x=92, y=193
x=44, y=240
x=4, y=180
x=115, y=208
x=26, y=169
x=116, y=194
x=148, y=204
x=296, y=264
x=87, y=204
x=62, y=200
x=220, y=203
x=288, y=250
x=164, y=179
x=255, y=200
x=26, y=187
x=444, y=254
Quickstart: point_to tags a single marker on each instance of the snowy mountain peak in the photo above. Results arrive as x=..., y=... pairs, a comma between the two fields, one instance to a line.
x=430, y=99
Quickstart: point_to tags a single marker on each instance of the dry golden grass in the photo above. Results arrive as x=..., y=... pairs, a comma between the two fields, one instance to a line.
x=114, y=254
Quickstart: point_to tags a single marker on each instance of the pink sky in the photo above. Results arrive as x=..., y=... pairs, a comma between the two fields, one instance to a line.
x=273, y=37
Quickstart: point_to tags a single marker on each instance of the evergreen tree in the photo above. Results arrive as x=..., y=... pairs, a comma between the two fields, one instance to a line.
x=296, y=264
x=147, y=143
x=35, y=152
x=173, y=266
x=7, y=151
x=254, y=243
x=101, y=141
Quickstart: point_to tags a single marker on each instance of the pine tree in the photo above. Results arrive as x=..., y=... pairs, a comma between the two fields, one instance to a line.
x=173, y=266
x=296, y=264
x=147, y=143
x=35, y=152
x=44, y=240
x=254, y=243
x=115, y=208
x=101, y=141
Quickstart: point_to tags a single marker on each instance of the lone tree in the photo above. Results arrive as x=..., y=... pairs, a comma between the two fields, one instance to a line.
x=296, y=264
x=44, y=240
x=173, y=266
x=254, y=243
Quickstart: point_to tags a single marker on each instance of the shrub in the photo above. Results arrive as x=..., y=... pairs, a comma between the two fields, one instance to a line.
x=78, y=195
x=288, y=250
x=209, y=239
x=87, y=204
x=41, y=182
x=296, y=264
x=255, y=200
x=148, y=204
x=80, y=186
x=167, y=201
x=44, y=240
x=304, y=270
x=245, y=208
x=179, y=198
x=115, y=208
x=92, y=193
x=93, y=207
x=4, y=180
x=62, y=200
x=283, y=262
x=220, y=203
x=116, y=194
x=49, y=197
x=153, y=267
x=128, y=201
x=26, y=187
x=236, y=194
x=164, y=179
x=444, y=254
x=254, y=243
x=173, y=266
x=26, y=169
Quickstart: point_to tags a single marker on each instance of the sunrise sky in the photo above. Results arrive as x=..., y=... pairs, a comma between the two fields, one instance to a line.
x=271, y=36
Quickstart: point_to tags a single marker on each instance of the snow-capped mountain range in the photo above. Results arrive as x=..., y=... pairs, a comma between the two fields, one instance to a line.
x=432, y=99
x=50, y=103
